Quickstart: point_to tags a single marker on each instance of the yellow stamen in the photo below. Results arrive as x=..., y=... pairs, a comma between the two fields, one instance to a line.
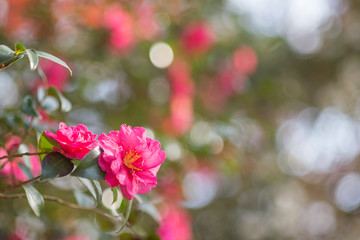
x=130, y=158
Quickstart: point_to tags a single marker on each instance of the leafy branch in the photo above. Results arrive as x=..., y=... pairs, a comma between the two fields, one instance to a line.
x=115, y=219
x=8, y=57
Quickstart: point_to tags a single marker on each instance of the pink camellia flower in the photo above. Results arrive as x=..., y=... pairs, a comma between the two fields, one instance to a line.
x=75, y=142
x=175, y=224
x=130, y=160
x=11, y=167
x=197, y=37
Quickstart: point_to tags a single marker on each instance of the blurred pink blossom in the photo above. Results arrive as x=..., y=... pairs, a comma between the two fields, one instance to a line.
x=181, y=107
x=121, y=26
x=146, y=24
x=10, y=167
x=75, y=142
x=175, y=224
x=197, y=37
x=57, y=76
x=181, y=101
x=12, y=144
x=130, y=160
x=245, y=60
x=46, y=119
x=180, y=78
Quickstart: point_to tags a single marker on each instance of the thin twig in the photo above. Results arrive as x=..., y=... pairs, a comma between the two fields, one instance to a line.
x=64, y=203
x=18, y=185
x=23, y=154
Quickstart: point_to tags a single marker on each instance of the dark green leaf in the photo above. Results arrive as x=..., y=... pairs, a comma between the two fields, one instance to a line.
x=33, y=58
x=54, y=59
x=28, y=106
x=19, y=48
x=89, y=167
x=35, y=199
x=55, y=165
x=46, y=144
x=64, y=102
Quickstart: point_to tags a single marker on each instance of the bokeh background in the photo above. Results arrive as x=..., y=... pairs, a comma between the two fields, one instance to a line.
x=256, y=104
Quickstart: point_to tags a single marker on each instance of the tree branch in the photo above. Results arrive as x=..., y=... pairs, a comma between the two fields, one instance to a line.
x=114, y=219
x=18, y=185
x=64, y=203
x=23, y=154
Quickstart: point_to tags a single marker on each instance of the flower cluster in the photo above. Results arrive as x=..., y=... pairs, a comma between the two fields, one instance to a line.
x=129, y=158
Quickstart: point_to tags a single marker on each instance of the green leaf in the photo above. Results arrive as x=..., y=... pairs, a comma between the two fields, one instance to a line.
x=6, y=50
x=54, y=59
x=64, y=102
x=50, y=104
x=5, y=54
x=115, y=194
x=98, y=189
x=19, y=48
x=151, y=210
x=28, y=106
x=46, y=144
x=35, y=199
x=26, y=159
x=25, y=170
x=83, y=199
x=40, y=94
x=55, y=165
x=93, y=187
x=11, y=61
x=89, y=167
x=33, y=58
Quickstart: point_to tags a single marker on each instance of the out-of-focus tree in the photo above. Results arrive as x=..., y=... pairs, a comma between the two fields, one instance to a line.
x=256, y=104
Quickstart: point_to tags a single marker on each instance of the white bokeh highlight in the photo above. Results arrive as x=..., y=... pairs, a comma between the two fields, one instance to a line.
x=161, y=55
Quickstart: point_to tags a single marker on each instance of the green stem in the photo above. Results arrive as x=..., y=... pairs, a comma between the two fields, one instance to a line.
x=126, y=217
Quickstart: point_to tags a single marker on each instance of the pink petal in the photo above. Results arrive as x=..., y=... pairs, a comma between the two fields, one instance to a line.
x=115, y=165
x=111, y=179
x=143, y=188
x=51, y=134
x=147, y=177
x=62, y=125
